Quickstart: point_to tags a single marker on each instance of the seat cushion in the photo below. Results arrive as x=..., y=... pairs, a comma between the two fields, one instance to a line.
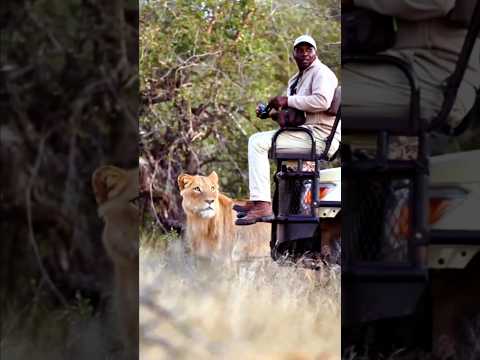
x=304, y=154
x=377, y=98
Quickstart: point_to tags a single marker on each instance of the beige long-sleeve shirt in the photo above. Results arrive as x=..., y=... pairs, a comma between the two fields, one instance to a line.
x=314, y=95
x=426, y=36
x=431, y=43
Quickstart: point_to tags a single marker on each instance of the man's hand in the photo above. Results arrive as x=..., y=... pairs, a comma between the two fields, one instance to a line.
x=278, y=102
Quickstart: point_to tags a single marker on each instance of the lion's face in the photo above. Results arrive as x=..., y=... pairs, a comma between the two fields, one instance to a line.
x=199, y=194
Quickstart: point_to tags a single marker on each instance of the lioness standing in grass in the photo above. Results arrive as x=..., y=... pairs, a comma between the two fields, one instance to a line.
x=115, y=191
x=210, y=226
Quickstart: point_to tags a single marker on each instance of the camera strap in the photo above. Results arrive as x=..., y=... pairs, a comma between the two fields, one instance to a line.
x=293, y=87
x=454, y=81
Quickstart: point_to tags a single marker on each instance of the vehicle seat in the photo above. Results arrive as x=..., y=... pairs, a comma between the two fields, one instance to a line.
x=314, y=152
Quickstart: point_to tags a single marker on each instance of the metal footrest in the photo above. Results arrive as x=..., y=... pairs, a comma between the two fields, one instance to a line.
x=391, y=166
x=380, y=273
x=330, y=204
x=296, y=219
x=296, y=174
x=455, y=237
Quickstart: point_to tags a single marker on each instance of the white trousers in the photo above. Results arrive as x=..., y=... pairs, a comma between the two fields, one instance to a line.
x=259, y=164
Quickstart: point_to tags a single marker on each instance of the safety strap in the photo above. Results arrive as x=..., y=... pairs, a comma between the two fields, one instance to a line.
x=329, y=139
x=454, y=80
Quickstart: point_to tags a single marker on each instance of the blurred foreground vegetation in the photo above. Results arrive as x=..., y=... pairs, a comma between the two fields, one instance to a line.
x=69, y=99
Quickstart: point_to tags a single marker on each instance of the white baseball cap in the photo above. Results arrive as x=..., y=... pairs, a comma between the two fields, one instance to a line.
x=306, y=39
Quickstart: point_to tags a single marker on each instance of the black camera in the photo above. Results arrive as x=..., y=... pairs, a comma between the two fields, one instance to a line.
x=263, y=111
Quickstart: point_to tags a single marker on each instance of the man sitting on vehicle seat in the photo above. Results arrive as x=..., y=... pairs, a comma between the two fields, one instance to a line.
x=427, y=38
x=310, y=90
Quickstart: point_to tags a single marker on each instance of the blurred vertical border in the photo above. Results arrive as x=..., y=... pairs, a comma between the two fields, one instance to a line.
x=69, y=103
x=410, y=195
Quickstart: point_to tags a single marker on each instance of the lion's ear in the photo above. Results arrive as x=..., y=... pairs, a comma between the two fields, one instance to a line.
x=213, y=177
x=107, y=182
x=183, y=181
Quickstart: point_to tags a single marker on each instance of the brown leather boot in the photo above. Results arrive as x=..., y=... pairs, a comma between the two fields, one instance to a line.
x=243, y=208
x=260, y=211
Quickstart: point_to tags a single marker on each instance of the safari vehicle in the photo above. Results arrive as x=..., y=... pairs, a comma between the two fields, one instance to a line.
x=307, y=193
x=405, y=222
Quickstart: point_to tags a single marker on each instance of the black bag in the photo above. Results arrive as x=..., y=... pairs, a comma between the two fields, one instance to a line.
x=366, y=32
x=289, y=117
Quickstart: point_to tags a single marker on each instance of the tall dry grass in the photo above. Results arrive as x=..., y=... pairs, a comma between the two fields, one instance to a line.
x=199, y=309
